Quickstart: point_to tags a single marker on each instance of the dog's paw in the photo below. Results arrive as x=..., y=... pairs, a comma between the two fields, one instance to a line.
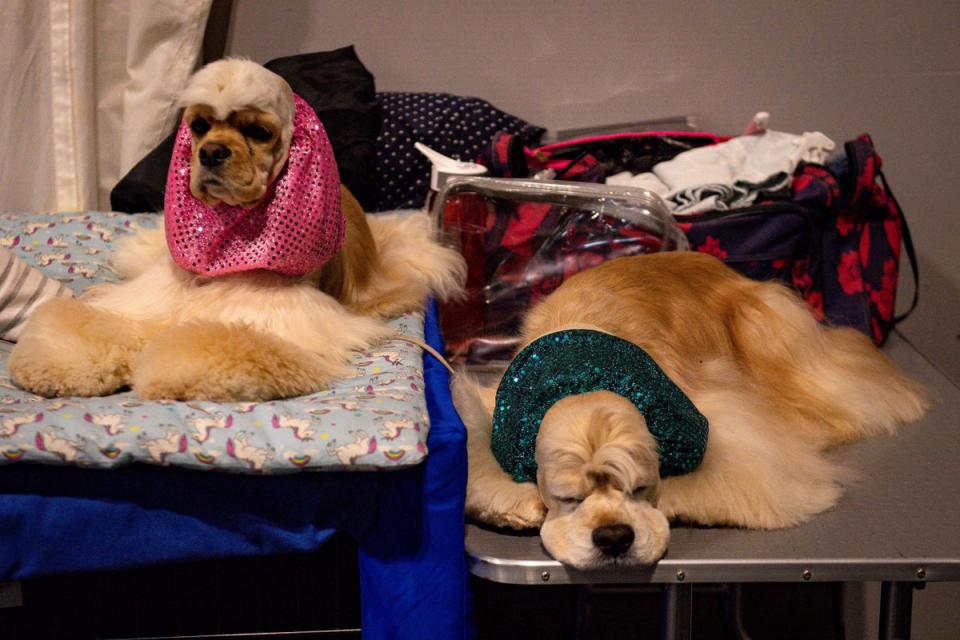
x=521, y=508
x=226, y=363
x=69, y=348
x=529, y=512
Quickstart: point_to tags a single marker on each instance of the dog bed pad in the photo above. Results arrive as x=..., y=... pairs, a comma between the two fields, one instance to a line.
x=375, y=420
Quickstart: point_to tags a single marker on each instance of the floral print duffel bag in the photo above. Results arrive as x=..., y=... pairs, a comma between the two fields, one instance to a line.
x=836, y=240
x=832, y=231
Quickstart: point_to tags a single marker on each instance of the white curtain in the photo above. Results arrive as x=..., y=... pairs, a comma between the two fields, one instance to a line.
x=87, y=88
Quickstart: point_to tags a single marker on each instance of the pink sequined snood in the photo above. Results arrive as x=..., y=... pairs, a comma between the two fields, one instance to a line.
x=297, y=228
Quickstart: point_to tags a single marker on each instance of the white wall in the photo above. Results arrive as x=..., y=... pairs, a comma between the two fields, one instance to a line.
x=888, y=68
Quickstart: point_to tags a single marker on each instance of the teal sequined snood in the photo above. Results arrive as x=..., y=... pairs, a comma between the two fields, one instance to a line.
x=577, y=361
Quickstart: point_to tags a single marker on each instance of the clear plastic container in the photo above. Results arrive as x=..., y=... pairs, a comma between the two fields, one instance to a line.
x=522, y=238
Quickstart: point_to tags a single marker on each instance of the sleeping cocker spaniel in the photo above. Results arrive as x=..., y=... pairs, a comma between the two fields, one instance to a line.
x=668, y=387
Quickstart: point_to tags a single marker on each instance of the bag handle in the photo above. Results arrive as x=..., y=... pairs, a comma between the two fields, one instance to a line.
x=911, y=252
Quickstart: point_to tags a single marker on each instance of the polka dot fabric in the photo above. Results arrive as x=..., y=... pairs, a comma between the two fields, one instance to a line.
x=297, y=228
x=455, y=126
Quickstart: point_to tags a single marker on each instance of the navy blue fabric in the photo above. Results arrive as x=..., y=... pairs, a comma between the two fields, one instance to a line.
x=409, y=523
x=456, y=126
x=763, y=241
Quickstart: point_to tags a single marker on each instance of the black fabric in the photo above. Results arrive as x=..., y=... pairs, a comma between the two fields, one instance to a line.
x=141, y=190
x=342, y=92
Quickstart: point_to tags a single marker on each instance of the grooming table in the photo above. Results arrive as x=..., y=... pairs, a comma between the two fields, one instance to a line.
x=898, y=524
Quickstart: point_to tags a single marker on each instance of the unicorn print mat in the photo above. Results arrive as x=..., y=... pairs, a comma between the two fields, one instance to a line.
x=375, y=420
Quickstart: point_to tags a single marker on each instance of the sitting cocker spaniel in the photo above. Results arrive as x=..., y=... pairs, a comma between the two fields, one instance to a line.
x=264, y=278
x=668, y=387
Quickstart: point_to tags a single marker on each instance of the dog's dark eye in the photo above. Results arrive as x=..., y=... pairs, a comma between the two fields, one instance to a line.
x=257, y=132
x=570, y=500
x=199, y=126
x=639, y=491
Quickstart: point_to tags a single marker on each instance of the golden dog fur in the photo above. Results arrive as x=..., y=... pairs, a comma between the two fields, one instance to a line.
x=777, y=388
x=257, y=335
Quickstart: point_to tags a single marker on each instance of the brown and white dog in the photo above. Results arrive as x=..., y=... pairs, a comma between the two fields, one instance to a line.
x=776, y=387
x=254, y=335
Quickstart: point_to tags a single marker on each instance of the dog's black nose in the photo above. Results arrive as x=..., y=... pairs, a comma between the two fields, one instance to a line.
x=613, y=539
x=213, y=154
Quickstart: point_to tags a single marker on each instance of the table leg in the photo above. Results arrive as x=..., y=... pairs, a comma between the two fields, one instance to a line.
x=677, y=612
x=734, y=610
x=584, y=612
x=896, y=608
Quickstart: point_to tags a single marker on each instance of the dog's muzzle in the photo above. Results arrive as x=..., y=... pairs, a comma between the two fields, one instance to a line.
x=613, y=540
x=212, y=155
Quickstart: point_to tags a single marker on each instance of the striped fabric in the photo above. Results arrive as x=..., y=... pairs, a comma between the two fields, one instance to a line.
x=22, y=288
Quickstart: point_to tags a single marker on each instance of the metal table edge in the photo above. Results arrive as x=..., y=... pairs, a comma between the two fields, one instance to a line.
x=545, y=571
